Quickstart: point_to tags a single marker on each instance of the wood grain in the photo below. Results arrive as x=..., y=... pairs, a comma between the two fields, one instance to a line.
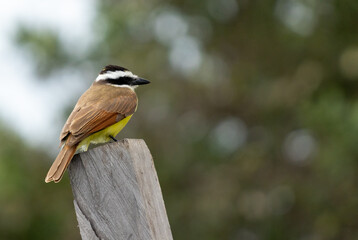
x=117, y=193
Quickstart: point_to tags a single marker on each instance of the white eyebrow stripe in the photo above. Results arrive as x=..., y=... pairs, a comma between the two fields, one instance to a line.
x=114, y=75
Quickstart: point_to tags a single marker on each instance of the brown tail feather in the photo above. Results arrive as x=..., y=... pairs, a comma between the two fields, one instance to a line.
x=59, y=166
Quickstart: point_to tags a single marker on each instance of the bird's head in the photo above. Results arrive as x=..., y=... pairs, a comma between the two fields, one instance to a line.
x=119, y=77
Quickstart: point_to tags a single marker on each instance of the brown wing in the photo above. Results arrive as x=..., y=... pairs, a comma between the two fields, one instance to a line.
x=92, y=114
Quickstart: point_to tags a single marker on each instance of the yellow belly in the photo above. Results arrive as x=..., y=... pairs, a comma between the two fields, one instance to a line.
x=103, y=135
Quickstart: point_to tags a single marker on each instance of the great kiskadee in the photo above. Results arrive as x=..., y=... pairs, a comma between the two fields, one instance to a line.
x=99, y=115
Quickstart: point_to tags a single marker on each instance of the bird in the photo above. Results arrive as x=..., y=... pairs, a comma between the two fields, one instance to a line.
x=99, y=115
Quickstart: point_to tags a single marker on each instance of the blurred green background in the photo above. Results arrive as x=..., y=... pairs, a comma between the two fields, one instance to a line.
x=251, y=117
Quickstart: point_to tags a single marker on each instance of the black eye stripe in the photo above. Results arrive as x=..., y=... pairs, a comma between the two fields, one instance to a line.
x=119, y=81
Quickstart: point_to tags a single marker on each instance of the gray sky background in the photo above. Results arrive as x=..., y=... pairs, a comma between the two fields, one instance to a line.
x=32, y=107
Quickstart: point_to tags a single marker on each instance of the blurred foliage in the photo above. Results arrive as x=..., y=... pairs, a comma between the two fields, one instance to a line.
x=45, y=49
x=31, y=209
x=251, y=116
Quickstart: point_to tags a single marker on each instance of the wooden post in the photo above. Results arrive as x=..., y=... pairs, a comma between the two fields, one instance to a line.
x=117, y=193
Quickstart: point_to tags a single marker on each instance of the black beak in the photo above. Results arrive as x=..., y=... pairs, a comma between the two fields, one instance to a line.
x=140, y=81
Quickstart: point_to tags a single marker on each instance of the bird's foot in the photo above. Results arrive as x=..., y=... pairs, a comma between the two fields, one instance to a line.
x=113, y=138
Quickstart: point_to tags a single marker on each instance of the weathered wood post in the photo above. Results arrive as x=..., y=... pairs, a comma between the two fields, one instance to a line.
x=117, y=193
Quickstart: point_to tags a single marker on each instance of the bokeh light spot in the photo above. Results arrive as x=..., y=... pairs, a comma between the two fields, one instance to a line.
x=297, y=16
x=299, y=145
x=168, y=26
x=230, y=134
x=185, y=55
